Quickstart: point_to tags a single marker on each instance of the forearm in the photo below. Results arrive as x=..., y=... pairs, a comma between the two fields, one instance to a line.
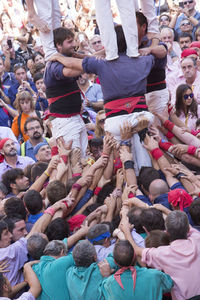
x=173, y=21
x=18, y=287
x=97, y=105
x=14, y=113
x=30, y=8
x=108, y=171
x=194, y=21
x=138, y=250
x=74, y=238
x=70, y=62
x=7, y=64
x=40, y=225
x=38, y=184
x=159, y=51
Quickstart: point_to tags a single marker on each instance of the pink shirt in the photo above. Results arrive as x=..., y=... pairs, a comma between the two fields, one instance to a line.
x=191, y=121
x=175, y=79
x=180, y=260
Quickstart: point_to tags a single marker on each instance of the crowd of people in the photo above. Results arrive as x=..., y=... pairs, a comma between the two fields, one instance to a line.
x=99, y=149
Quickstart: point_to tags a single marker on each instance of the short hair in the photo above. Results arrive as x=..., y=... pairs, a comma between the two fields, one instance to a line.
x=11, y=220
x=121, y=41
x=123, y=253
x=36, y=54
x=106, y=190
x=194, y=211
x=152, y=218
x=37, y=170
x=3, y=188
x=97, y=230
x=58, y=229
x=2, y=283
x=177, y=225
x=56, y=191
x=61, y=34
x=141, y=19
x=22, y=96
x=192, y=59
x=146, y=176
x=157, y=238
x=37, y=76
x=32, y=119
x=33, y=202
x=19, y=66
x=185, y=35
x=10, y=176
x=84, y=254
x=134, y=216
x=3, y=226
x=15, y=206
x=54, y=248
x=90, y=208
x=36, y=245
x=168, y=29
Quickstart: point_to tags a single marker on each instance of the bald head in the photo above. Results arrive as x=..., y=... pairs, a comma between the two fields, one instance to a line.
x=157, y=188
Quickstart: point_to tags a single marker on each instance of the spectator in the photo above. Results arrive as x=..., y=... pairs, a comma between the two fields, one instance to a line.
x=42, y=152
x=15, y=182
x=184, y=40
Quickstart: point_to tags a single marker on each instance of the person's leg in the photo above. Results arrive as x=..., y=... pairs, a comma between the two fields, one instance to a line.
x=106, y=27
x=157, y=100
x=46, y=13
x=129, y=24
x=148, y=9
x=56, y=17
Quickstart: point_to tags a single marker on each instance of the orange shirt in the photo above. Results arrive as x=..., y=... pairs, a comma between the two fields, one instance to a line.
x=15, y=127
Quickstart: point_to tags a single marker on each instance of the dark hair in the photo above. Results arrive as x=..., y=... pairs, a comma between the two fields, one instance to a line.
x=106, y=190
x=146, y=176
x=56, y=191
x=181, y=89
x=32, y=119
x=33, y=202
x=197, y=122
x=38, y=67
x=177, y=225
x=58, y=229
x=15, y=206
x=3, y=188
x=141, y=19
x=37, y=76
x=134, y=216
x=121, y=41
x=37, y=170
x=27, y=171
x=10, y=176
x=36, y=54
x=185, y=35
x=123, y=253
x=61, y=34
x=89, y=209
x=36, y=245
x=157, y=238
x=96, y=142
x=70, y=182
x=2, y=283
x=3, y=226
x=19, y=66
x=194, y=211
x=11, y=220
x=152, y=219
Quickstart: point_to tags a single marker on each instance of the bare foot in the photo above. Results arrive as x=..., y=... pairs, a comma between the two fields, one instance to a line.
x=39, y=23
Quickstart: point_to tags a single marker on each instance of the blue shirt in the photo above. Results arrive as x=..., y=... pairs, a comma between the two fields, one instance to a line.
x=182, y=17
x=8, y=79
x=29, y=149
x=5, y=119
x=13, y=90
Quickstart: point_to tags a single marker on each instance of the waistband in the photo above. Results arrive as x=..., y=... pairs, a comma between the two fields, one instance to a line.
x=54, y=99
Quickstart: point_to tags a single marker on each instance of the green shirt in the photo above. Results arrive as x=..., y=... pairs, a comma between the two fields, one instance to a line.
x=150, y=285
x=51, y=273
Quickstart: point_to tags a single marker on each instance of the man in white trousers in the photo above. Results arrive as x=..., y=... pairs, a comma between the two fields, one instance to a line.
x=126, y=9
x=46, y=19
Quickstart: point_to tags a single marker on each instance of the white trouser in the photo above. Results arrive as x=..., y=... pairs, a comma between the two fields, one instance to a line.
x=140, y=154
x=48, y=11
x=72, y=128
x=127, y=10
x=157, y=100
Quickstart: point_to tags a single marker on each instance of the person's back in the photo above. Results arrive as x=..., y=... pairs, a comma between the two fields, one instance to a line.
x=150, y=284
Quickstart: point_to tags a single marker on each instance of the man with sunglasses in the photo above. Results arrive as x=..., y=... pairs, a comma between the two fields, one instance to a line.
x=188, y=11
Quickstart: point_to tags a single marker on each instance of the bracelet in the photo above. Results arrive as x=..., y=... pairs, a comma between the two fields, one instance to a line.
x=125, y=143
x=46, y=173
x=64, y=158
x=191, y=150
x=179, y=175
x=76, y=174
x=105, y=155
x=131, y=195
x=65, y=202
x=77, y=186
x=165, y=145
x=129, y=164
x=169, y=125
x=50, y=211
x=156, y=153
x=54, y=150
x=97, y=191
x=169, y=135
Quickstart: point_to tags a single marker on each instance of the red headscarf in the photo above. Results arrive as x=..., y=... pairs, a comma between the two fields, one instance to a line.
x=187, y=52
x=195, y=45
x=76, y=222
x=3, y=141
x=179, y=197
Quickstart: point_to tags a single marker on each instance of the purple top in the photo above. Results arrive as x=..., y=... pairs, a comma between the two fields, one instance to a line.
x=120, y=78
x=24, y=296
x=16, y=256
x=22, y=162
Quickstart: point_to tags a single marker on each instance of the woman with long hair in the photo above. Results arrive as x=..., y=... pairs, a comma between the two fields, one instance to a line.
x=187, y=109
x=100, y=121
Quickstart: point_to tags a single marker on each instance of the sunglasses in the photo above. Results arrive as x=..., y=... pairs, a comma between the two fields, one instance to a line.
x=186, y=96
x=97, y=42
x=102, y=121
x=188, y=2
x=185, y=23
